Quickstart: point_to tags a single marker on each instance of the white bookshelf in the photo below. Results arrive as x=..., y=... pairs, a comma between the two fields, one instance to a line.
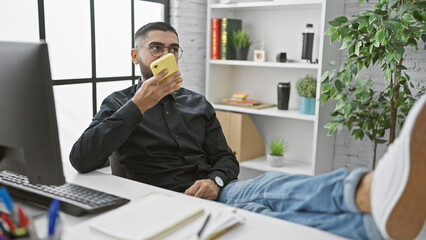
x=265, y=64
x=311, y=151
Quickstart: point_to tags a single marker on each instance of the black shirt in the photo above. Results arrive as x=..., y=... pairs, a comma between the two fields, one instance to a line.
x=171, y=145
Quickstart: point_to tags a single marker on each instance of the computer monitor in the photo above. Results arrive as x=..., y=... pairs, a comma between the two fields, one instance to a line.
x=29, y=142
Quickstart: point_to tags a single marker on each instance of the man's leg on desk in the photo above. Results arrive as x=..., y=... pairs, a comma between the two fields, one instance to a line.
x=341, y=202
x=326, y=202
x=398, y=188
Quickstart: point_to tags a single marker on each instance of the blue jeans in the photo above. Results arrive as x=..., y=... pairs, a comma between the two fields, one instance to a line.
x=326, y=202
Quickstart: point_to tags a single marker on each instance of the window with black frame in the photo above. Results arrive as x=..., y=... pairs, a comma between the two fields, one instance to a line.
x=89, y=49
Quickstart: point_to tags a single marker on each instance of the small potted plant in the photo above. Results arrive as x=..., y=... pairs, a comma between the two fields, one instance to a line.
x=241, y=41
x=307, y=88
x=277, y=148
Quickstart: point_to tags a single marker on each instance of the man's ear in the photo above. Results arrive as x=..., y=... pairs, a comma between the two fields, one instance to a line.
x=135, y=57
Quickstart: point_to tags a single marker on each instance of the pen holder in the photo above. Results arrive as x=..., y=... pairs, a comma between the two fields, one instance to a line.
x=18, y=233
x=39, y=227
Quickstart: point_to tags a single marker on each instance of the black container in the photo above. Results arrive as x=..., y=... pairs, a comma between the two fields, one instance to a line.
x=308, y=42
x=282, y=57
x=283, y=95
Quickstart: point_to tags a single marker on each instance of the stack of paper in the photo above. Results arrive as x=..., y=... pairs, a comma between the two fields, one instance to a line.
x=159, y=216
x=221, y=220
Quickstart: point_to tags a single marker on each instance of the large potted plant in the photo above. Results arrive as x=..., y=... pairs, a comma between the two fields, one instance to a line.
x=376, y=38
x=307, y=88
x=277, y=148
x=241, y=41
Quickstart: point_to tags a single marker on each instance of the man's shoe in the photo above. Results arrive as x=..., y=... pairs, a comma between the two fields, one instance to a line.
x=398, y=194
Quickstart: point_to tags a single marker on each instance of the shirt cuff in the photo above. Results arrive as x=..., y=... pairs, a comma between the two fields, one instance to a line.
x=130, y=114
x=225, y=179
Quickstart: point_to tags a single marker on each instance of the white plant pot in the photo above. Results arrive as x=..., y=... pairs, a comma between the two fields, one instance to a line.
x=275, y=161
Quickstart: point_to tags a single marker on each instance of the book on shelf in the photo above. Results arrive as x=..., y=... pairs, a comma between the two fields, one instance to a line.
x=240, y=102
x=228, y=25
x=215, y=38
x=159, y=216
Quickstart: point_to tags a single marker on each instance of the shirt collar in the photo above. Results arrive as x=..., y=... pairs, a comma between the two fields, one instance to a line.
x=172, y=95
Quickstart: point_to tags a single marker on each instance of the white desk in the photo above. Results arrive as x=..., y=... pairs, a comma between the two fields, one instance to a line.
x=255, y=227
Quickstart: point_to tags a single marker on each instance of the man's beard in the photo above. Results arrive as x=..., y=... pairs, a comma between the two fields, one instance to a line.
x=145, y=71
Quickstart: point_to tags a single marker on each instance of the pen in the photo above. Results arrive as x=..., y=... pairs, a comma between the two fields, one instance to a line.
x=23, y=220
x=2, y=228
x=9, y=222
x=203, y=227
x=53, y=215
x=7, y=200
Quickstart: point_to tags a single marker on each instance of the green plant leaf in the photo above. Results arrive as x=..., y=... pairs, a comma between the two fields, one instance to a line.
x=358, y=91
x=326, y=88
x=412, y=42
x=333, y=91
x=347, y=110
x=400, y=51
x=355, y=133
x=421, y=5
x=390, y=25
x=407, y=7
x=392, y=3
x=408, y=17
x=342, y=19
x=330, y=31
x=347, y=76
x=379, y=36
x=324, y=76
x=344, y=32
x=346, y=44
x=389, y=57
x=388, y=74
x=354, y=69
x=397, y=25
x=397, y=56
x=357, y=47
x=334, y=37
x=338, y=85
x=340, y=105
x=335, y=23
x=323, y=98
x=417, y=16
x=364, y=126
x=372, y=18
x=351, y=50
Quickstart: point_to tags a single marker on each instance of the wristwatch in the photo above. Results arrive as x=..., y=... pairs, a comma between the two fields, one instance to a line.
x=218, y=180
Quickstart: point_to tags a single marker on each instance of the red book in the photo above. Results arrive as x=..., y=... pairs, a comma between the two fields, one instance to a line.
x=215, y=35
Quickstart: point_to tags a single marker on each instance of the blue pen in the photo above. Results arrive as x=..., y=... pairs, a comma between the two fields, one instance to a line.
x=7, y=200
x=53, y=215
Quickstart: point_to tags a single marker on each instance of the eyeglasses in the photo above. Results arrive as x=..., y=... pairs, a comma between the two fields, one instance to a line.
x=158, y=50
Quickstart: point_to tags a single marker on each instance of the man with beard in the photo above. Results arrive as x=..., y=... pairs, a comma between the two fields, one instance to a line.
x=169, y=137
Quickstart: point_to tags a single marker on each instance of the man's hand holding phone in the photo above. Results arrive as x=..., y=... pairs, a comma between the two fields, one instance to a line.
x=168, y=62
x=166, y=80
x=155, y=88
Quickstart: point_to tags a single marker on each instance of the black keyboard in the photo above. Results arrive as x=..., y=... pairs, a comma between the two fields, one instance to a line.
x=75, y=199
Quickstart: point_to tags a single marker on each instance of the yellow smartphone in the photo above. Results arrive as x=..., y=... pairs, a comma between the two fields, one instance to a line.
x=167, y=61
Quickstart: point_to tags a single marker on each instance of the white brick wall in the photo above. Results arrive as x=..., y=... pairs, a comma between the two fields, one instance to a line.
x=189, y=19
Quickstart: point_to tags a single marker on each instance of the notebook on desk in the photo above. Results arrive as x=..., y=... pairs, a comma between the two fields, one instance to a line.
x=158, y=216
x=151, y=217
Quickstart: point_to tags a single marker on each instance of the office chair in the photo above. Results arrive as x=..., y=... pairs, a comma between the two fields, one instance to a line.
x=116, y=168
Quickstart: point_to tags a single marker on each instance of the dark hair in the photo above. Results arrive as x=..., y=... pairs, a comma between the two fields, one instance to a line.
x=145, y=29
